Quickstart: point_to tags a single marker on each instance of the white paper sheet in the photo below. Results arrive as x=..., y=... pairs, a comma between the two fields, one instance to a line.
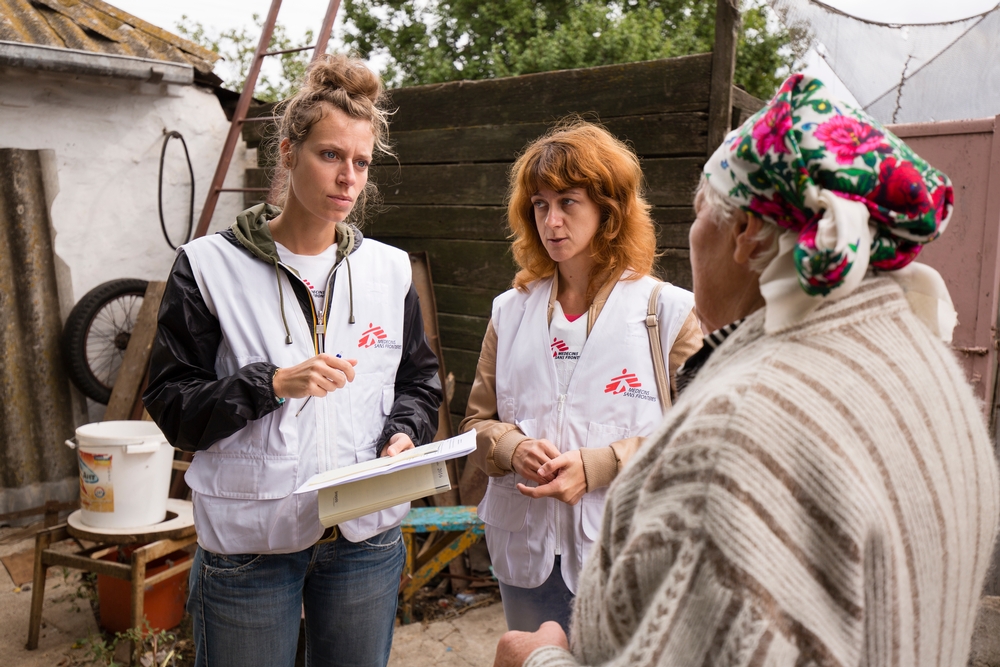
x=443, y=450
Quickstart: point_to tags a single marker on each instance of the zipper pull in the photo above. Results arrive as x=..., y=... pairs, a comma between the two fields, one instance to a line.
x=321, y=329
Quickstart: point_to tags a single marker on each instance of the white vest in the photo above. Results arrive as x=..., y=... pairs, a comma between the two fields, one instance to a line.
x=243, y=484
x=612, y=395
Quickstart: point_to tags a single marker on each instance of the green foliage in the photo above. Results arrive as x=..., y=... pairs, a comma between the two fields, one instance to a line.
x=155, y=649
x=238, y=45
x=431, y=41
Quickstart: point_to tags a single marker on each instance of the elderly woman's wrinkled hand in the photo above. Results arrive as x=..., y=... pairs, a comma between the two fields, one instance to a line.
x=515, y=647
x=530, y=455
x=568, y=484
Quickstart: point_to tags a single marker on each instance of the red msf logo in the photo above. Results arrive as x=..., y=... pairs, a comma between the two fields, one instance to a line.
x=372, y=336
x=623, y=382
x=557, y=347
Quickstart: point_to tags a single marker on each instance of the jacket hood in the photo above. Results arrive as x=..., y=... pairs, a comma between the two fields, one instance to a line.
x=254, y=234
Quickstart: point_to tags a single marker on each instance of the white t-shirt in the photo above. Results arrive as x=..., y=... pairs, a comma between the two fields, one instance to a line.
x=567, y=343
x=313, y=269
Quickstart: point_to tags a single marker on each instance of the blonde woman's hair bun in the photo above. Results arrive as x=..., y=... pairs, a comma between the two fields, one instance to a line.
x=349, y=74
x=334, y=81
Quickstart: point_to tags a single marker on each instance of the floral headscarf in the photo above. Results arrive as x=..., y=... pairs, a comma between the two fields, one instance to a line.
x=850, y=193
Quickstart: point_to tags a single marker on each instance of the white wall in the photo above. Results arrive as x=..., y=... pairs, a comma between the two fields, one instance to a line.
x=107, y=137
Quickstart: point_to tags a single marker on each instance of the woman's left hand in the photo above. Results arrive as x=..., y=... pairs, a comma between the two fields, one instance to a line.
x=515, y=647
x=397, y=444
x=570, y=482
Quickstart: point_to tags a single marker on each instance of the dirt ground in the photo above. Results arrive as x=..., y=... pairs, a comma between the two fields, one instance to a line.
x=453, y=634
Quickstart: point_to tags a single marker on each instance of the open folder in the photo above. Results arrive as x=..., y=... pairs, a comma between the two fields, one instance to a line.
x=353, y=491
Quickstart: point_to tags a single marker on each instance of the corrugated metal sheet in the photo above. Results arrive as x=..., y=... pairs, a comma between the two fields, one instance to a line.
x=97, y=27
x=35, y=409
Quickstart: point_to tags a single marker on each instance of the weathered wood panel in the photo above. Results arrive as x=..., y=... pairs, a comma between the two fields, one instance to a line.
x=488, y=223
x=485, y=223
x=653, y=87
x=462, y=331
x=654, y=135
x=474, y=301
x=459, y=401
x=670, y=182
x=462, y=363
x=484, y=264
x=674, y=266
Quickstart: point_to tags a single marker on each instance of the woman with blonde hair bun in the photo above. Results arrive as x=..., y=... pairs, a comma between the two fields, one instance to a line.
x=289, y=345
x=568, y=382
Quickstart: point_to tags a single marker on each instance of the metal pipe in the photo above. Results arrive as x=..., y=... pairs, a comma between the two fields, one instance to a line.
x=234, y=128
x=72, y=61
x=326, y=28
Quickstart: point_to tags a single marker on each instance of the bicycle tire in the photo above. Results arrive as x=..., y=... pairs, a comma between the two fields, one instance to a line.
x=96, y=334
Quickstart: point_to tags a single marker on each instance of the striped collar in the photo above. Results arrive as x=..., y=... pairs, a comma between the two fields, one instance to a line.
x=689, y=369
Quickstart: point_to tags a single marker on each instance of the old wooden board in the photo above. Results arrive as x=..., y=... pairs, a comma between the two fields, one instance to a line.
x=465, y=300
x=489, y=223
x=20, y=566
x=133, y=369
x=656, y=86
x=653, y=135
x=462, y=331
x=670, y=182
x=485, y=264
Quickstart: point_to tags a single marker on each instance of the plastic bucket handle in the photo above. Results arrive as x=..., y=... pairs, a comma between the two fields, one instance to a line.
x=143, y=448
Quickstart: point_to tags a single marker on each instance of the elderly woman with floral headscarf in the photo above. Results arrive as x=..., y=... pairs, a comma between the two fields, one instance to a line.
x=824, y=492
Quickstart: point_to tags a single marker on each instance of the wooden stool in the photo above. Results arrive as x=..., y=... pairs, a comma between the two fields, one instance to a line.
x=461, y=527
x=164, y=538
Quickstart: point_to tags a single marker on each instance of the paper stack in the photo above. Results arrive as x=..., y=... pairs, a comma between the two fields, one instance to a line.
x=350, y=492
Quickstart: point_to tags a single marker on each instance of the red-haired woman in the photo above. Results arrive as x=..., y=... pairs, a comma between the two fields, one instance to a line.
x=566, y=388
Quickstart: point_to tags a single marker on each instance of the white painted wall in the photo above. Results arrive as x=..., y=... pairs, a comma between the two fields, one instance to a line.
x=107, y=136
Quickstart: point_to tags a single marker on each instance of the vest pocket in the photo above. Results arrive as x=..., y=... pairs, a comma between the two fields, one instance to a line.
x=504, y=507
x=592, y=512
x=602, y=435
x=242, y=477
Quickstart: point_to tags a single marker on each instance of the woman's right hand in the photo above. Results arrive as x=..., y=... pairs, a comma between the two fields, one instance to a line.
x=530, y=455
x=314, y=377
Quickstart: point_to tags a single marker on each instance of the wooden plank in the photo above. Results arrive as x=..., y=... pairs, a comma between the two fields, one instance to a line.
x=484, y=264
x=489, y=223
x=466, y=300
x=744, y=106
x=675, y=267
x=656, y=86
x=462, y=363
x=652, y=135
x=670, y=182
x=462, y=331
x=136, y=359
x=727, y=27
x=482, y=223
x=428, y=310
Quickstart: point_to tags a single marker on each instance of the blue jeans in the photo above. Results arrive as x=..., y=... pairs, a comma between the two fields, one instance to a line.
x=246, y=608
x=527, y=608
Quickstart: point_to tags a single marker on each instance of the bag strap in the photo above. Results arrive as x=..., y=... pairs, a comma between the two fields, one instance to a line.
x=655, y=349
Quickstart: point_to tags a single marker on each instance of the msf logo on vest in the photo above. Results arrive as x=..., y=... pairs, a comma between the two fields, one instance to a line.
x=560, y=350
x=376, y=337
x=628, y=385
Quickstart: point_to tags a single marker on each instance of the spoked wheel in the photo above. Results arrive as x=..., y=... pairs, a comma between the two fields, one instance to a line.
x=97, y=332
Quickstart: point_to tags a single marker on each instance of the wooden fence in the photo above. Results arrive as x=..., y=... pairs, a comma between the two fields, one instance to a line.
x=455, y=144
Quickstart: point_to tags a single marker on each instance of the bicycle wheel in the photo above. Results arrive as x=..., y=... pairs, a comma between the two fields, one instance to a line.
x=97, y=332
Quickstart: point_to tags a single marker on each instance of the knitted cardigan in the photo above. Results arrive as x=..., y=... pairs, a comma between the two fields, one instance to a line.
x=824, y=496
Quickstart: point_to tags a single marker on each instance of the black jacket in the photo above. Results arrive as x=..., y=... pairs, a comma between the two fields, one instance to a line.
x=195, y=408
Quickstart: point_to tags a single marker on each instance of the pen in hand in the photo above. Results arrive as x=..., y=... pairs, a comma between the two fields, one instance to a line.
x=306, y=402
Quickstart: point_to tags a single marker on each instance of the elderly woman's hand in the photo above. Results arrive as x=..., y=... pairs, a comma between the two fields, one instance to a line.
x=568, y=484
x=515, y=647
x=530, y=455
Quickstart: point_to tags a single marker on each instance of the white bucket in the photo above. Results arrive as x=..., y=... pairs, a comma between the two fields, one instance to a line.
x=124, y=473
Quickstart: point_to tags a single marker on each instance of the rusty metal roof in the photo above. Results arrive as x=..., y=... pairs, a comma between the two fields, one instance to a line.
x=97, y=27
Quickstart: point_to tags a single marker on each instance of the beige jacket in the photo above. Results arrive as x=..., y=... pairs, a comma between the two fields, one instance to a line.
x=496, y=440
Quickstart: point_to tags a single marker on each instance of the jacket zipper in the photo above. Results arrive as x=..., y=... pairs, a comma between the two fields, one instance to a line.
x=557, y=506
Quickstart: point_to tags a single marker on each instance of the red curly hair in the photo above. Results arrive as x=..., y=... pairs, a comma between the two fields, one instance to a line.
x=580, y=154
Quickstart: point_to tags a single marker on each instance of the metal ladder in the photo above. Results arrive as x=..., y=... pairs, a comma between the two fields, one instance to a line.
x=240, y=115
